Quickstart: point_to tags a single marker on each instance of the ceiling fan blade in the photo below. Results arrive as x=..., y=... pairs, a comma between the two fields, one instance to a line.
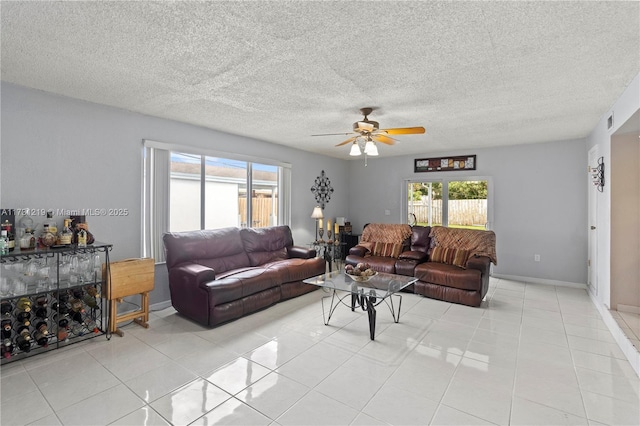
x=383, y=139
x=403, y=131
x=348, y=140
x=333, y=134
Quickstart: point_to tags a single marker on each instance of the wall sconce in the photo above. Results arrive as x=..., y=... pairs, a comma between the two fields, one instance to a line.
x=317, y=215
x=597, y=174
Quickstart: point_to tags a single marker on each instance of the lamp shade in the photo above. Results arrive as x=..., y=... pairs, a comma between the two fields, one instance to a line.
x=370, y=148
x=355, y=150
x=317, y=213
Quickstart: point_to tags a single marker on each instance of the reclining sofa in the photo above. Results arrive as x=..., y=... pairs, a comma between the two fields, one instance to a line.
x=219, y=275
x=451, y=264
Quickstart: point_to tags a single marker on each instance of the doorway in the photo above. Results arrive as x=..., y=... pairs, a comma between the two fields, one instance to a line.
x=592, y=261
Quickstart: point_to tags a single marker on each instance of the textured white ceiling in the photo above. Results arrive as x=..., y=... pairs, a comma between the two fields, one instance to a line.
x=474, y=74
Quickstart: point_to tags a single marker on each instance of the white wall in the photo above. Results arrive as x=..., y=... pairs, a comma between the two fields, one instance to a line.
x=58, y=152
x=622, y=110
x=539, y=203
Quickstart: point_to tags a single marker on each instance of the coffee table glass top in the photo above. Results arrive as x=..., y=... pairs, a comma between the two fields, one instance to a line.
x=381, y=284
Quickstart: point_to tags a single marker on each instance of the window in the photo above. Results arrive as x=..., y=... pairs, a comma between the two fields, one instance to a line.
x=455, y=203
x=185, y=190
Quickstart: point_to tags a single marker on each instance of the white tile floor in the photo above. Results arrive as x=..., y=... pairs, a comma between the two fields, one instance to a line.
x=532, y=355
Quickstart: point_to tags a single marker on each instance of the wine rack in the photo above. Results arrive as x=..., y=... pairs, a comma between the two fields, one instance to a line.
x=51, y=298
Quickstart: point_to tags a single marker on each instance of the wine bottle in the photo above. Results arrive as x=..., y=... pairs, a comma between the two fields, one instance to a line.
x=60, y=307
x=62, y=297
x=90, y=301
x=77, y=293
x=76, y=305
x=24, y=304
x=42, y=327
x=63, y=326
x=63, y=334
x=7, y=348
x=24, y=318
x=41, y=334
x=42, y=300
x=6, y=308
x=41, y=312
x=82, y=238
x=23, y=330
x=91, y=325
x=92, y=291
x=77, y=324
x=23, y=343
x=6, y=328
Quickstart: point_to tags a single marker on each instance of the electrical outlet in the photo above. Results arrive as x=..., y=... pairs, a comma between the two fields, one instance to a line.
x=387, y=212
x=536, y=257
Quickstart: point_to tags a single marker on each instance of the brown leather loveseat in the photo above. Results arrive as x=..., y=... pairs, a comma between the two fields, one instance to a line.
x=222, y=274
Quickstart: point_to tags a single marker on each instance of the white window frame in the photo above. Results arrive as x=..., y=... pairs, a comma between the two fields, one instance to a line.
x=156, y=193
x=445, y=195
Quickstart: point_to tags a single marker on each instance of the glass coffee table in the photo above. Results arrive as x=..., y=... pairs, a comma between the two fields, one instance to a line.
x=365, y=295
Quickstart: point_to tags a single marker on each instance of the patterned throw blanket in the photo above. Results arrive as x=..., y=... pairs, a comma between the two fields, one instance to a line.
x=479, y=243
x=385, y=233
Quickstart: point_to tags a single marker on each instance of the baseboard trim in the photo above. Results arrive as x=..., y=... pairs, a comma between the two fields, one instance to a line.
x=541, y=281
x=628, y=308
x=627, y=348
x=160, y=306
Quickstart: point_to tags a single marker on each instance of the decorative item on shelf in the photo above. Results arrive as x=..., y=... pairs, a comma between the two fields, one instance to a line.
x=597, y=174
x=329, y=232
x=317, y=215
x=322, y=189
x=336, y=233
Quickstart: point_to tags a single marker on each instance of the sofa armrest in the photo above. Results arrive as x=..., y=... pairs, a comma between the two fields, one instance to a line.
x=358, y=251
x=300, y=252
x=480, y=263
x=192, y=274
x=418, y=256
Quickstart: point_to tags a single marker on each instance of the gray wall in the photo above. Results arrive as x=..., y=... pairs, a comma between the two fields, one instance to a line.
x=539, y=204
x=59, y=152
x=62, y=153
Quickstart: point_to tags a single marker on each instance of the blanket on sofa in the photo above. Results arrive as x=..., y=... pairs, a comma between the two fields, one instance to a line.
x=478, y=242
x=385, y=233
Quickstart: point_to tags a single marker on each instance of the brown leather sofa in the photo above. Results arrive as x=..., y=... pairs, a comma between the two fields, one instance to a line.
x=219, y=275
x=440, y=276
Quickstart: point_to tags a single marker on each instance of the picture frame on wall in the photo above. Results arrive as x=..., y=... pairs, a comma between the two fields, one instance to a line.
x=445, y=164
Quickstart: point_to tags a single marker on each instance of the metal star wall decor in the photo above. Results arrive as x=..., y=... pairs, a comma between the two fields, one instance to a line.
x=322, y=189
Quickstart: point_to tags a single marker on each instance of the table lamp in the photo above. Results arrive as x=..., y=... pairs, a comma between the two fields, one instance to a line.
x=317, y=215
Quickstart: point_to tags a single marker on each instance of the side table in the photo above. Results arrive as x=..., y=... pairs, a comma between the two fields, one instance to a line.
x=330, y=251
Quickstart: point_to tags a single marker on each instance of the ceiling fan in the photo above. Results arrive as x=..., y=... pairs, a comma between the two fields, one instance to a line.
x=367, y=132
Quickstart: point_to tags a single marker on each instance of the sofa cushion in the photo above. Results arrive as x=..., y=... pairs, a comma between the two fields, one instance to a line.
x=241, y=284
x=420, y=240
x=386, y=249
x=449, y=275
x=264, y=245
x=451, y=256
x=224, y=245
x=292, y=270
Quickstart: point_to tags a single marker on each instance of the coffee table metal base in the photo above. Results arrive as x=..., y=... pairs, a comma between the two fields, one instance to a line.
x=367, y=302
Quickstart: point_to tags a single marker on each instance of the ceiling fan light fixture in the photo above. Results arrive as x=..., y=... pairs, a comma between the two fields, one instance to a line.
x=355, y=149
x=370, y=148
